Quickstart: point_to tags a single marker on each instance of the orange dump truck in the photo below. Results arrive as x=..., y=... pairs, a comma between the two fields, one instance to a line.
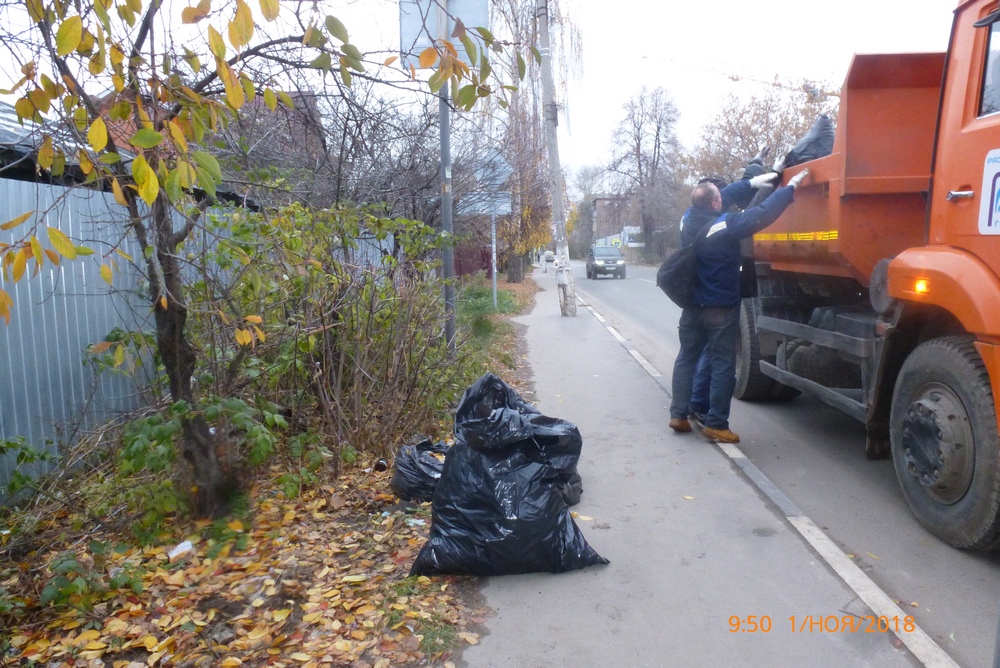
x=879, y=287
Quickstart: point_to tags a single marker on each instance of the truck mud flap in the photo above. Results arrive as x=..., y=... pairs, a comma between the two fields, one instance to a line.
x=840, y=399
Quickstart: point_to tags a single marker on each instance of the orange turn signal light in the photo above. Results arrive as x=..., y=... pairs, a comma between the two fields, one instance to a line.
x=921, y=286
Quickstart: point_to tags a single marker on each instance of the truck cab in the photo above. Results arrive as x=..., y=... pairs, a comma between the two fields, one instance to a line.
x=879, y=287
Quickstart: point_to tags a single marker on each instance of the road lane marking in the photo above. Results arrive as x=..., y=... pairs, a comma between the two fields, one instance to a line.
x=920, y=644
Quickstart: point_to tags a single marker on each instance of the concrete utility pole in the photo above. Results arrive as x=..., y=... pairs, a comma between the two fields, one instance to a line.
x=564, y=273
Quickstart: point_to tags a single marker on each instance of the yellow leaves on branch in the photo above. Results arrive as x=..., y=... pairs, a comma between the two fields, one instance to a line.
x=69, y=35
x=11, y=224
x=62, y=244
x=428, y=57
x=196, y=13
x=145, y=179
x=5, y=305
x=241, y=27
x=250, y=334
x=97, y=136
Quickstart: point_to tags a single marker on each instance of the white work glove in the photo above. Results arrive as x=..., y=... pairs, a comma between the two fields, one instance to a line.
x=764, y=180
x=761, y=155
x=798, y=178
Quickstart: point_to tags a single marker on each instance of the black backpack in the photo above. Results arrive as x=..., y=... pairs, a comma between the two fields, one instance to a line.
x=678, y=275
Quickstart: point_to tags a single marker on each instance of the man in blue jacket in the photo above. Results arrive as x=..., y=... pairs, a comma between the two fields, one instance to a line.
x=712, y=325
x=755, y=168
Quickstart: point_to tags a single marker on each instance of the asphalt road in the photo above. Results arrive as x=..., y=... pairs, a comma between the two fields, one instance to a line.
x=815, y=455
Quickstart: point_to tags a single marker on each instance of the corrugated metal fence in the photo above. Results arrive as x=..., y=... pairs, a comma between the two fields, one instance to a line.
x=46, y=389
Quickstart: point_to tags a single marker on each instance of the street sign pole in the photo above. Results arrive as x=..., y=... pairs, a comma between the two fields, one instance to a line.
x=444, y=119
x=493, y=263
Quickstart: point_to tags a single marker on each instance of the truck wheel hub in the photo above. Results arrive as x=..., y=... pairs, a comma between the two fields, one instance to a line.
x=938, y=444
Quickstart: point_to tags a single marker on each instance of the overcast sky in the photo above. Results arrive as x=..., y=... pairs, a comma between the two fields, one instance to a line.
x=700, y=57
x=697, y=56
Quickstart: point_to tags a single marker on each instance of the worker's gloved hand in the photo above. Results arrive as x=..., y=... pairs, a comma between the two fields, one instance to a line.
x=761, y=155
x=798, y=178
x=764, y=180
x=779, y=165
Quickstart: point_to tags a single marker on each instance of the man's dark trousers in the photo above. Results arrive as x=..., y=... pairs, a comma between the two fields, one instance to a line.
x=715, y=330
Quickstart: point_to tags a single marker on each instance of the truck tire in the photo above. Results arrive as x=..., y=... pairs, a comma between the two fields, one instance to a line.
x=943, y=429
x=751, y=383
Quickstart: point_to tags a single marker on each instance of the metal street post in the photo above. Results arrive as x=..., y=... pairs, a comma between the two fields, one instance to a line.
x=444, y=119
x=493, y=261
x=426, y=24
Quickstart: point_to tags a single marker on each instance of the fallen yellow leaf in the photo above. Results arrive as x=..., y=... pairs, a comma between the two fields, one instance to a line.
x=257, y=602
x=281, y=615
x=231, y=662
x=688, y=498
x=301, y=656
x=87, y=636
x=354, y=578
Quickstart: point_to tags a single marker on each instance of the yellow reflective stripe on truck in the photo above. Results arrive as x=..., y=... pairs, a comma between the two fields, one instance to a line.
x=828, y=235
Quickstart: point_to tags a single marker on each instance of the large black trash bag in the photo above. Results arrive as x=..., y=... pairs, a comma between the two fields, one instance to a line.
x=498, y=508
x=417, y=469
x=817, y=143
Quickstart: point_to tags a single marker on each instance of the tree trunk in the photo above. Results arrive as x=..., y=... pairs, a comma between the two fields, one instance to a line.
x=213, y=484
x=515, y=268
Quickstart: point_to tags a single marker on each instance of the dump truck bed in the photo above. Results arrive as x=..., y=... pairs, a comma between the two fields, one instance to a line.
x=868, y=199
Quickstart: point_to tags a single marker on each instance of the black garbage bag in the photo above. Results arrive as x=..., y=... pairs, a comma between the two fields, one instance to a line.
x=417, y=469
x=817, y=143
x=498, y=508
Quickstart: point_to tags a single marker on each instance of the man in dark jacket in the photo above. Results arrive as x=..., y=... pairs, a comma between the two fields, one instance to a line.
x=755, y=168
x=712, y=324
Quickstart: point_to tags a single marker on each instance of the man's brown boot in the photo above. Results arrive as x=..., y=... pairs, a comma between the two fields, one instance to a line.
x=680, y=425
x=721, y=435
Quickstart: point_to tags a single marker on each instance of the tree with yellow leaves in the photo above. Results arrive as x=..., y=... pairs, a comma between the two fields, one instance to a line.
x=128, y=94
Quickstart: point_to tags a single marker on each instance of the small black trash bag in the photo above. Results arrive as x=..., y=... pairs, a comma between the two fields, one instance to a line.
x=817, y=143
x=417, y=469
x=499, y=507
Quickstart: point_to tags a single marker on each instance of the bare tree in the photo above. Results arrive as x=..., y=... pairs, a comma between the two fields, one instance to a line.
x=777, y=119
x=587, y=182
x=644, y=165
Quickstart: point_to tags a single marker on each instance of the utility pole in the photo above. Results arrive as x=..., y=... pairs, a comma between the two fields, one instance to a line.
x=564, y=273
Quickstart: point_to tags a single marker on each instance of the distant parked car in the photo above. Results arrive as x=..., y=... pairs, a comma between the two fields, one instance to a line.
x=605, y=260
x=550, y=256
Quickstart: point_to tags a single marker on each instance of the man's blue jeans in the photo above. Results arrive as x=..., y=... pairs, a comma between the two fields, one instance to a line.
x=717, y=332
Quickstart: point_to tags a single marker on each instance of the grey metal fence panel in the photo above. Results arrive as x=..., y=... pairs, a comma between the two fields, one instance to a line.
x=46, y=389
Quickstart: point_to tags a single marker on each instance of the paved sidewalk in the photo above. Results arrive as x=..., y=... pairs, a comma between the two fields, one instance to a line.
x=692, y=543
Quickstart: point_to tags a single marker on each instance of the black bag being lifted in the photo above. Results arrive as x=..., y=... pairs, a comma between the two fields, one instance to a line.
x=417, y=469
x=499, y=507
x=817, y=143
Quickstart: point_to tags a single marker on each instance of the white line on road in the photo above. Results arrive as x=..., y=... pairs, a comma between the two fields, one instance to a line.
x=928, y=652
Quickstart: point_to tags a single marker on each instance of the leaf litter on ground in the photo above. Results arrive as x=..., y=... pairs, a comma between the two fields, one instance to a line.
x=317, y=580
x=320, y=580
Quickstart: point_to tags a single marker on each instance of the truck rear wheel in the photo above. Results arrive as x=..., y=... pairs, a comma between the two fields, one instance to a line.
x=751, y=383
x=943, y=429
